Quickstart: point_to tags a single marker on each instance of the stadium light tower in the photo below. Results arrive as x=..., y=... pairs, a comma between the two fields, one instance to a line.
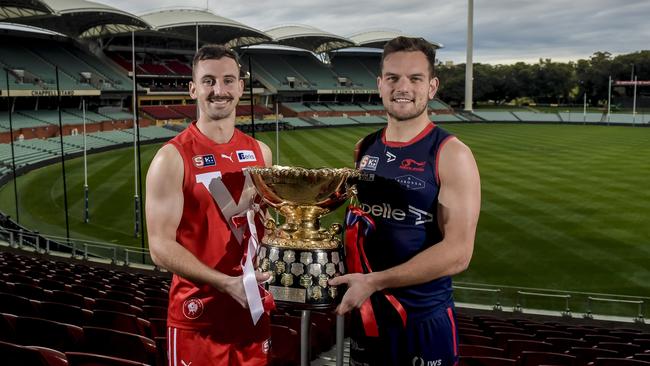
x=469, y=78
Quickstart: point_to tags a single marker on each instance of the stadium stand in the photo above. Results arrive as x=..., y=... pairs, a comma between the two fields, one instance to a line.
x=536, y=117
x=355, y=71
x=503, y=116
x=580, y=117
x=336, y=121
x=99, y=326
x=445, y=118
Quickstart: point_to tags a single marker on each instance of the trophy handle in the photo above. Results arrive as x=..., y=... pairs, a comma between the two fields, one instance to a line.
x=351, y=192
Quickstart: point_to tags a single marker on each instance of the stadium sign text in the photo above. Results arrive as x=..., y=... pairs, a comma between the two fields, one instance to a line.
x=631, y=83
x=49, y=93
x=347, y=91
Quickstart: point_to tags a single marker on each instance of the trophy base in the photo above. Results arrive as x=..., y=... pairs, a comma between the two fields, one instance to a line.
x=299, y=276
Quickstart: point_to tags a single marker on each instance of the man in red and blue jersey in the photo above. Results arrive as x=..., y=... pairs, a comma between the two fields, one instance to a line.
x=202, y=217
x=421, y=187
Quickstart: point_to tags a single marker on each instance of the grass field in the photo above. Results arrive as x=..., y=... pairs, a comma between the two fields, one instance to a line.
x=564, y=207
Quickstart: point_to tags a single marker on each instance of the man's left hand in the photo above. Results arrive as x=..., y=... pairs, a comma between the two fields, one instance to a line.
x=360, y=287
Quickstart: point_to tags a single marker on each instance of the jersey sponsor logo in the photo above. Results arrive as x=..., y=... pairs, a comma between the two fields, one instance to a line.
x=386, y=211
x=192, y=308
x=201, y=161
x=421, y=216
x=390, y=157
x=245, y=156
x=413, y=165
x=410, y=182
x=229, y=157
x=369, y=163
x=419, y=361
x=367, y=177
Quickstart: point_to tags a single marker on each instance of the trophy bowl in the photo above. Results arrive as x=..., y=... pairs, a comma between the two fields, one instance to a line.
x=301, y=255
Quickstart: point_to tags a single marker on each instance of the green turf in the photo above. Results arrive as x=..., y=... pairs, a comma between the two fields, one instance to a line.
x=564, y=207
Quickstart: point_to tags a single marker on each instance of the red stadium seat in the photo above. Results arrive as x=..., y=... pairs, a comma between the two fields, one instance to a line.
x=154, y=311
x=593, y=339
x=91, y=359
x=52, y=357
x=120, y=321
x=13, y=354
x=7, y=327
x=115, y=305
x=119, y=344
x=17, y=305
x=642, y=356
x=475, y=339
x=485, y=361
x=546, y=358
x=504, y=329
x=624, y=349
x=69, y=298
x=584, y=355
x=619, y=362
x=47, y=333
x=158, y=327
x=64, y=313
x=543, y=334
x=564, y=344
x=514, y=347
x=50, y=284
x=501, y=338
x=484, y=351
x=285, y=346
x=473, y=331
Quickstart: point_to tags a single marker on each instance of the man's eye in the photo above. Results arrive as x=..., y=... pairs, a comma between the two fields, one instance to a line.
x=208, y=82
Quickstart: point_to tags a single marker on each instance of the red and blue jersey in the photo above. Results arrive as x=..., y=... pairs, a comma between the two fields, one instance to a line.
x=399, y=188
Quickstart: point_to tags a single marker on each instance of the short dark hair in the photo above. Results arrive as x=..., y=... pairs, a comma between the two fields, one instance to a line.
x=213, y=52
x=409, y=44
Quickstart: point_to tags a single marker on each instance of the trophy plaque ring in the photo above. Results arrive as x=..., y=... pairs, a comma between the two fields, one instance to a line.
x=300, y=255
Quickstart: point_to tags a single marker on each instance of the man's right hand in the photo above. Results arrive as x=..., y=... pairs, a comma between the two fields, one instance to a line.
x=235, y=287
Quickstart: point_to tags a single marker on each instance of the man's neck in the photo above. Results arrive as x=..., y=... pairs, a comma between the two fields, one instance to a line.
x=405, y=131
x=219, y=131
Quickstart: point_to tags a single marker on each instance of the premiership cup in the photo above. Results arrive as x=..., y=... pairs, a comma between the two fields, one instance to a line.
x=301, y=255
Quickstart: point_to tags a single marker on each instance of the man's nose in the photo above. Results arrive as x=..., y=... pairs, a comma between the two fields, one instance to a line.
x=217, y=87
x=402, y=84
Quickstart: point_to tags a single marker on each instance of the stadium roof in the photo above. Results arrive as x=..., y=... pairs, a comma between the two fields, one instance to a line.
x=10, y=9
x=378, y=38
x=308, y=38
x=212, y=28
x=74, y=18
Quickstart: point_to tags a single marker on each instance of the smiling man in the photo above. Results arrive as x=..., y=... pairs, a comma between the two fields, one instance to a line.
x=421, y=187
x=198, y=199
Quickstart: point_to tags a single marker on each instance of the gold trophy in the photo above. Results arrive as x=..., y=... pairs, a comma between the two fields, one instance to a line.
x=301, y=255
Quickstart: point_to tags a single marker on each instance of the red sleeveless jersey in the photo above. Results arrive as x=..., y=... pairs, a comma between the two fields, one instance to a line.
x=215, y=192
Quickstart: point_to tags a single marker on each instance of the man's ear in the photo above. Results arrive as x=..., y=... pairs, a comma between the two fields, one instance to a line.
x=192, y=89
x=433, y=87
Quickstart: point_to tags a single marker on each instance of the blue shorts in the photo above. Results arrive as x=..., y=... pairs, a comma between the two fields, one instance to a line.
x=429, y=340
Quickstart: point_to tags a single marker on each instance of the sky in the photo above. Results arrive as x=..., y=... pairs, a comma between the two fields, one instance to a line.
x=505, y=31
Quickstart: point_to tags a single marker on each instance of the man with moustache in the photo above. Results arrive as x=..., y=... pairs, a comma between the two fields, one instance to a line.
x=424, y=227
x=202, y=211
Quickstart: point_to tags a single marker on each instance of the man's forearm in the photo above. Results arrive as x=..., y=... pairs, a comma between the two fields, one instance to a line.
x=175, y=258
x=442, y=259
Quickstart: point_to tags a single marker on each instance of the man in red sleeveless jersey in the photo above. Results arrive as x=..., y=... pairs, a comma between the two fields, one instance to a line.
x=203, y=217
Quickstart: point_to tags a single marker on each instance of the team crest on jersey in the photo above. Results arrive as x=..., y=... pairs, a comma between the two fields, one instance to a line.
x=410, y=182
x=413, y=165
x=245, y=156
x=192, y=308
x=368, y=163
x=201, y=161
